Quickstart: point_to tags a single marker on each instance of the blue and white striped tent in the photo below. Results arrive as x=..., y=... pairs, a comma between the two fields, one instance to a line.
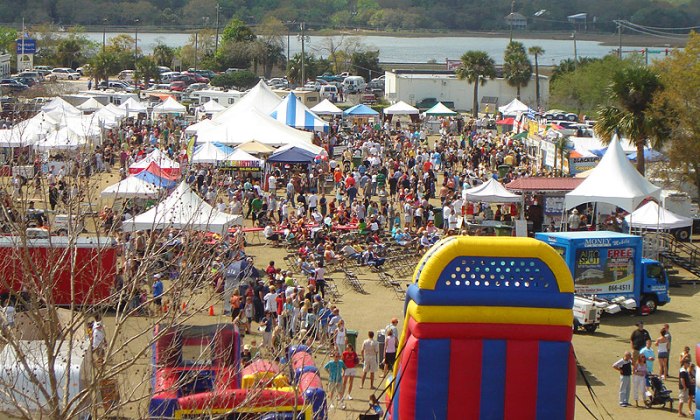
x=295, y=114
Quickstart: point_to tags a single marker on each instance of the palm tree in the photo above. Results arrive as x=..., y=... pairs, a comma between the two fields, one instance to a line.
x=476, y=67
x=536, y=51
x=632, y=91
x=517, y=69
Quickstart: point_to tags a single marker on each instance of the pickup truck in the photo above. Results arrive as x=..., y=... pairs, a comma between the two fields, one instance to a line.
x=427, y=103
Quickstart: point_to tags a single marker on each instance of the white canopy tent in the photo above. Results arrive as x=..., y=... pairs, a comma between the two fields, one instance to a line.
x=255, y=125
x=513, y=108
x=653, y=216
x=133, y=107
x=91, y=105
x=209, y=153
x=440, y=110
x=239, y=155
x=614, y=181
x=210, y=108
x=183, y=209
x=59, y=108
x=260, y=97
x=401, y=108
x=202, y=125
x=169, y=106
x=131, y=187
x=28, y=132
x=63, y=139
x=326, y=107
x=491, y=191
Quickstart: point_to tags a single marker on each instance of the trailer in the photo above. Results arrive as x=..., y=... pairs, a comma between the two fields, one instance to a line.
x=608, y=267
x=81, y=270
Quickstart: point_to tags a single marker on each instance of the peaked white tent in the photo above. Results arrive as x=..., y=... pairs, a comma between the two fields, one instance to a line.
x=326, y=107
x=614, y=181
x=513, y=107
x=211, y=107
x=202, y=125
x=28, y=132
x=440, y=110
x=90, y=105
x=59, y=107
x=183, y=209
x=115, y=110
x=253, y=124
x=239, y=155
x=169, y=106
x=401, y=108
x=652, y=216
x=260, y=97
x=209, y=153
x=63, y=139
x=292, y=112
x=133, y=107
x=131, y=187
x=491, y=191
x=166, y=164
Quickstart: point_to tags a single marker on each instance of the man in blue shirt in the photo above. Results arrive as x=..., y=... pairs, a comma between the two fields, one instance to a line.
x=648, y=353
x=157, y=291
x=335, y=369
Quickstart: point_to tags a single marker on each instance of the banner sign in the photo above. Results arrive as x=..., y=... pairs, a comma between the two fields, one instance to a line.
x=582, y=164
x=604, y=270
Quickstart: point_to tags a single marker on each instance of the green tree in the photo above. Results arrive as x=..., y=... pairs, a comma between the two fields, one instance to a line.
x=146, y=70
x=122, y=48
x=237, y=31
x=163, y=55
x=7, y=39
x=632, y=91
x=313, y=67
x=517, y=69
x=680, y=76
x=366, y=64
x=241, y=80
x=103, y=65
x=536, y=51
x=477, y=67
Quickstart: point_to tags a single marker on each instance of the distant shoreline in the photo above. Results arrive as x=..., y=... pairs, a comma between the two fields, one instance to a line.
x=607, y=39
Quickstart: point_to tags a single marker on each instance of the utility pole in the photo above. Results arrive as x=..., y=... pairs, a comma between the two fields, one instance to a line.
x=619, y=34
x=216, y=39
x=510, y=21
x=573, y=35
x=104, y=34
x=303, y=71
x=136, y=42
x=196, y=46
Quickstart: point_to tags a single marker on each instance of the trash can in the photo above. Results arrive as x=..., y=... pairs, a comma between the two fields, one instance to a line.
x=356, y=161
x=503, y=170
x=437, y=212
x=503, y=230
x=381, y=338
x=352, y=338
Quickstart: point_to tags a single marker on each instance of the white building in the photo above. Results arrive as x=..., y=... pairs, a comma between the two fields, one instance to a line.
x=412, y=86
x=4, y=65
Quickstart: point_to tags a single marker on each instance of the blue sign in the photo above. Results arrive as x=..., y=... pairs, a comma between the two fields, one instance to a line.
x=26, y=46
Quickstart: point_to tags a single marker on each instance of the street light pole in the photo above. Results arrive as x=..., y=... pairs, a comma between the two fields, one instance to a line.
x=104, y=34
x=303, y=71
x=216, y=40
x=136, y=41
x=575, y=50
x=196, y=46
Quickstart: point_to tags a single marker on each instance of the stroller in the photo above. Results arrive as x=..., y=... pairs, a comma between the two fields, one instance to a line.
x=657, y=394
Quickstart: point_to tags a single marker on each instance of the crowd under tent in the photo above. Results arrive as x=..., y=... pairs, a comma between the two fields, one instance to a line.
x=183, y=209
x=514, y=107
x=296, y=115
x=360, y=110
x=402, y=108
x=260, y=98
x=292, y=155
x=491, y=191
x=614, y=181
x=326, y=107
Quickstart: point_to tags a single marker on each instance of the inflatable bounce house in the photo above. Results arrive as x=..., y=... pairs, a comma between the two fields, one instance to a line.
x=697, y=379
x=487, y=334
x=197, y=373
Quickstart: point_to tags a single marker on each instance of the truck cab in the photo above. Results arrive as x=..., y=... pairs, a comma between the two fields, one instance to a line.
x=654, y=286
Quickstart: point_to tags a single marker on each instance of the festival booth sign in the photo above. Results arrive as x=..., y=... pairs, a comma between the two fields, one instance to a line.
x=614, y=181
x=132, y=187
x=292, y=112
x=242, y=161
x=326, y=107
x=183, y=209
x=162, y=161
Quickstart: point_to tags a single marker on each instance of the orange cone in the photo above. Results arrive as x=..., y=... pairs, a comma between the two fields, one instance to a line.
x=184, y=307
x=211, y=310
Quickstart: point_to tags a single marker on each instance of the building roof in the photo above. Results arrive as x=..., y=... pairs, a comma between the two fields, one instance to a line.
x=544, y=184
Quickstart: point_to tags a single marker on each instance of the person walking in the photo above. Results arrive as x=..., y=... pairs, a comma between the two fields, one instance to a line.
x=335, y=369
x=639, y=379
x=351, y=360
x=390, y=345
x=684, y=388
x=662, y=344
x=624, y=367
x=370, y=351
x=638, y=339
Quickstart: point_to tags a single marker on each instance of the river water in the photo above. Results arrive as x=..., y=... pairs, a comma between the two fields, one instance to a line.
x=407, y=50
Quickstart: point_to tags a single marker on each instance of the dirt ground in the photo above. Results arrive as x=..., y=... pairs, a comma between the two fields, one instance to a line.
x=595, y=352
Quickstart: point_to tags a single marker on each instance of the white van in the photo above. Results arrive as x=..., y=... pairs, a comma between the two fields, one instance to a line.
x=354, y=84
x=126, y=76
x=328, y=92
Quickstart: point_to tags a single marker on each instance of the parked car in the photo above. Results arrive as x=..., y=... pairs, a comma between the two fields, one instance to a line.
x=163, y=69
x=196, y=86
x=64, y=73
x=178, y=86
x=37, y=68
x=559, y=115
x=204, y=73
x=126, y=75
x=12, y=85
x=198, y=78
x=329, y=92
x=33, y=74
x=116, y=85
x=354, y=84
x=26, y=80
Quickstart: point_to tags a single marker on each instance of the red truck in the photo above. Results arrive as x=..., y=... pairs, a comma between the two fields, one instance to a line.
x=56, y=262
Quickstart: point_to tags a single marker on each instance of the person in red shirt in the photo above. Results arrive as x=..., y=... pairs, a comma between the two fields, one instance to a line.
x=351, y=360
x=349, y=181
x=271, y=270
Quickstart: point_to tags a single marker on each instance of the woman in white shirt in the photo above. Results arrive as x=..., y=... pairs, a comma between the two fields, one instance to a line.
x=340, y=337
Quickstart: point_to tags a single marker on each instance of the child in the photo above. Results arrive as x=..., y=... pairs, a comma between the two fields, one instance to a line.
x=248, y=313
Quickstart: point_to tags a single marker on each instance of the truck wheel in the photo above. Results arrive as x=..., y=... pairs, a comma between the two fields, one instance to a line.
x=590, y=328
x=682, y=235
x=648, y=305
